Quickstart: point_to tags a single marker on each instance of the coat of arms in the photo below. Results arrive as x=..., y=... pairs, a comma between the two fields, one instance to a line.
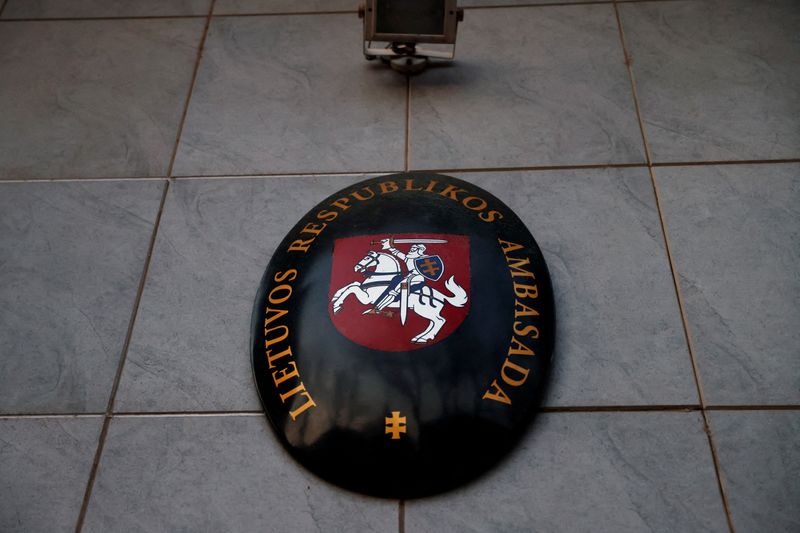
x=399, y=292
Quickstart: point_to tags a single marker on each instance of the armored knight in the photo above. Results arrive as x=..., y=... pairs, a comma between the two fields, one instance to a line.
x=411, y=280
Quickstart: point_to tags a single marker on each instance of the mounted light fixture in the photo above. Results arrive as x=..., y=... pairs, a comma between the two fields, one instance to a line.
x=397, y=31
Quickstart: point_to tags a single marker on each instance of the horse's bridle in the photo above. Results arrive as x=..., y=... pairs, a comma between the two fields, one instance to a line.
x=374, y=261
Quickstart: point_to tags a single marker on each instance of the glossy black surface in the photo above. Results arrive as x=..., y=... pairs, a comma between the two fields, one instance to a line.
x=466, y=396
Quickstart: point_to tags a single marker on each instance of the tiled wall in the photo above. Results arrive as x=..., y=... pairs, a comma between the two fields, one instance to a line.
x=153, y=153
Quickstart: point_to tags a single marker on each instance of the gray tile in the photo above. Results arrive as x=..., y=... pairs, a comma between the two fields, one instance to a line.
x=44, y=468
x=500, y=3
x=17, y=9
x=228, y=7
x=717, y=80
x=217, y=474
x=759, y=456
x=735, y=234
x=191, y=346
x=590, y=472
x=72, y=256
x=531, y=86
x=317, y=106
x=99, y=98
x=619, y=336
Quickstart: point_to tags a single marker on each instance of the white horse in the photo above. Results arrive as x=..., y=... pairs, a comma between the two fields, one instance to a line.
x=380, y=269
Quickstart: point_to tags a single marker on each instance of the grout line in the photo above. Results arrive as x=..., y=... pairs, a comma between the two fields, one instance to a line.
x=129, y=334
x=776, y=407
x=588, y=166
x=74, y=179
x=109, y=414
x=547, y=4
x=545, y=409
x=383, y=172
x=291, y=175
x=190, y=177
x=159, y=414
x=86, y=19
x=115, y=387
x=196, y=69
x=740, y=162
x=278, y=176
x=618, y=408
x=36, y=416
x=695, y=369
x=629, y=66
x=675, y=280
x=562, y=3
x=533, y=168
x=172, y=17
x=401, y=516
x=294, y=13
x=289, y=13
x=408, y=122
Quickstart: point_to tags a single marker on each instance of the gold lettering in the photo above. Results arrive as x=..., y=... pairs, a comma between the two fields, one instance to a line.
x=517, y=348
x=516, y=368
x=509, y=246
x=431, y=186
x=285, y=373
x=316, y=229
x=498, y=395
x=275, y=300
x=341, y=203
x=281, y=276
x=410, y=185
x=520, y=309
x=471, y=200
x=491, y=216
x=516, y=267
x=511, y=373
x=300, y=245
x=388, y=186
x=309, y=403
x=278, y=313
x=272, y=358
x=269, y=342
x=526, y=291
x=330, y=216
x=451, y=191
x=292, y=392
x=360, y=198
x=524, y=332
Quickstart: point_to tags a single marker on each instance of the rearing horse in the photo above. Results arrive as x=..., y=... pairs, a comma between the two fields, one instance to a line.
x=381, y=269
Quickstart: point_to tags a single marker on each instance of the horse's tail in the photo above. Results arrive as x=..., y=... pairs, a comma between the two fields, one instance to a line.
x=459, y=297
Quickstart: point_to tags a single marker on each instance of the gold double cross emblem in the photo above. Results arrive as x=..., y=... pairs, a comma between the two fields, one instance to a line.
x=395, y=425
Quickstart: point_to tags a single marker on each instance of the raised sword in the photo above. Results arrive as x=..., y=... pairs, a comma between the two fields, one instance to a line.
x=411, y=241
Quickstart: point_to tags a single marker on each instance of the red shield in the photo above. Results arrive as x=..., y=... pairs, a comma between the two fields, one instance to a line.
x=375, y=277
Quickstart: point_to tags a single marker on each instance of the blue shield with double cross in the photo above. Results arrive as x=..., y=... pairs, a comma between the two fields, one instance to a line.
x=431, y=266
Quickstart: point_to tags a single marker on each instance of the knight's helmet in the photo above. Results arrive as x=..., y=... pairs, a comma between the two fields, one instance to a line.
x=417, y=248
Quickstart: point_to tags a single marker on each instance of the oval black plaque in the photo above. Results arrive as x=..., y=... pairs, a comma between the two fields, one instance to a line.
x=402, y=334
